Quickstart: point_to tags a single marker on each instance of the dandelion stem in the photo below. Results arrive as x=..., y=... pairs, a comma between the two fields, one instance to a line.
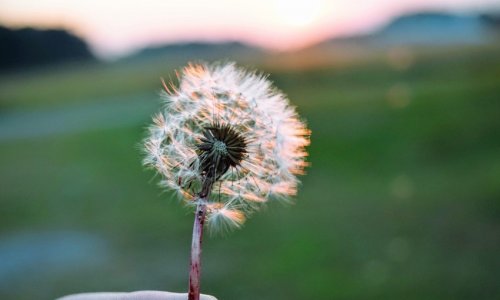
x=195, y=266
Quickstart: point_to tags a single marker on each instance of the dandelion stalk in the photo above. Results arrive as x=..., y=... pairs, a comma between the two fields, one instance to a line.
x=227, y=142
x=195, y=266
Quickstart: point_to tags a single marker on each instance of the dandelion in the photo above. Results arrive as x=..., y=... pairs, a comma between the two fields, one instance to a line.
x=226, y=142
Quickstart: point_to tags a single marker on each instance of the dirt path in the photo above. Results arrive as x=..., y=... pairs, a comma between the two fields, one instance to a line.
x=108, y=113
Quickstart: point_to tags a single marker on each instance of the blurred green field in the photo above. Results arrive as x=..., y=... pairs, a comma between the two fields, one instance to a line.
x=402, y=200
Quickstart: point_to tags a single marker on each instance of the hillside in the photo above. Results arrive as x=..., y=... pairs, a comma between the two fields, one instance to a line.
x=427, y=29
x=28, y=47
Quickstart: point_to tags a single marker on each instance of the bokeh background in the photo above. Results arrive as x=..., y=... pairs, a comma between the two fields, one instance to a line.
x=402, y=199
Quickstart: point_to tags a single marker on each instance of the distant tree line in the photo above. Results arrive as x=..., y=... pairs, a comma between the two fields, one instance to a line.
x=492, y=20
x=27, y=47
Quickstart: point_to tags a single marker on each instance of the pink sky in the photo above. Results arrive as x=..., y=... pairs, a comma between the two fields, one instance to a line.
x=115, y=28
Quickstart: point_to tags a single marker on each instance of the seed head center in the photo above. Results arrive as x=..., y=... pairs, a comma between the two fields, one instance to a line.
x=220, y=147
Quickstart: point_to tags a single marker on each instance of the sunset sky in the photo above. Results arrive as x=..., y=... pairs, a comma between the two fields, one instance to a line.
x=115, y=28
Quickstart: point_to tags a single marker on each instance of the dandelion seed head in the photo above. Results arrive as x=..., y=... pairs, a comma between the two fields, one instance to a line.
x=230, y=134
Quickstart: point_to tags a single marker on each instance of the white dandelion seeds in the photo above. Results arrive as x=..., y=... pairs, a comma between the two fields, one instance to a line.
x=226, y=141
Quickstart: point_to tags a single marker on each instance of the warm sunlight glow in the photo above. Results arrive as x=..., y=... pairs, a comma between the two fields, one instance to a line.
x=118, y=27
x=299, y=13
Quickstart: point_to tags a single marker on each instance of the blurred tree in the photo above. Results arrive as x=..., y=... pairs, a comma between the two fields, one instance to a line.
x=27, y=47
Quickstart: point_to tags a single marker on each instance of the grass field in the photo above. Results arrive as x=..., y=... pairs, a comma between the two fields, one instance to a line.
x=402, y=200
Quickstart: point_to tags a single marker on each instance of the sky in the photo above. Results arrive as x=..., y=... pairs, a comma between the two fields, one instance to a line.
x=118, y=27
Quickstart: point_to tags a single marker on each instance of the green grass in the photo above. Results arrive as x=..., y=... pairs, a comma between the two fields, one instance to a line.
x=402, y=200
